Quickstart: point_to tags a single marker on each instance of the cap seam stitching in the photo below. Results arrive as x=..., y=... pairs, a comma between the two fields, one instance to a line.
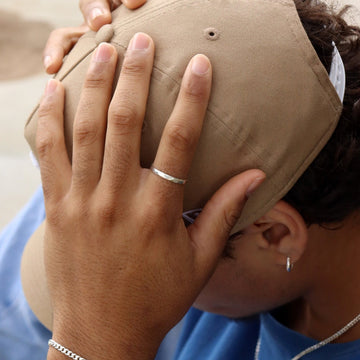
x=152, y=10
x=291, y=182
x=331, y=98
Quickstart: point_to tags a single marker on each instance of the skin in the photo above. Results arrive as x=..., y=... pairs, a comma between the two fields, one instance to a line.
x=124, y=264
x=96, y=14
x=315, y=299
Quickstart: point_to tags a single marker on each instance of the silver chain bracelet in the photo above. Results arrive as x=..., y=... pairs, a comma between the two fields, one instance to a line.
x=64, y=350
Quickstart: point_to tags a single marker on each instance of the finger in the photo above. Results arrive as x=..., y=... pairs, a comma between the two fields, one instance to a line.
x=115, y=4
x=212, y=227
x=60, y=42
x=133, y=4
x=126, y=112
x=182, y=131
x=96, y=13
x=91, y=117
x=54, y=163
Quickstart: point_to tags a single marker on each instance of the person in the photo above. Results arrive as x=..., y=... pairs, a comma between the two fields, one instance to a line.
x=315, y=222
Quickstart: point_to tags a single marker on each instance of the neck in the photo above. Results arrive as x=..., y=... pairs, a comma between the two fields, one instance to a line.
x=319, y=325
x=333, y=298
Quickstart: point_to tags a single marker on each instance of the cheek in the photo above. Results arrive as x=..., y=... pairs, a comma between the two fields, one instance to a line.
x=231, y=292
x=245, y=286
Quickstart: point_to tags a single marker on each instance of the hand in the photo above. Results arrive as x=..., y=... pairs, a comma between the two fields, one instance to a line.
x=59, y=44
x=121, y=267
x=96, y=14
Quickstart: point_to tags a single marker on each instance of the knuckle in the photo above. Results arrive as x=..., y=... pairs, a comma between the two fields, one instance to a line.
x=133, y=66
x=85, y=132
x=106, y=212
x=230, y=218
x=181, y=138
x=157, y=212
x=45, y=142
x=149, y=217
x=46, y=108
x=57, y=33
x=59, y=38
x=196, y=91
x=62, y=32
x=94, y=80
x=124, y=117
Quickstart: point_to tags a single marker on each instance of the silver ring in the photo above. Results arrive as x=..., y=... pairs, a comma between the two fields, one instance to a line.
x=167, y=176
x=289, y=265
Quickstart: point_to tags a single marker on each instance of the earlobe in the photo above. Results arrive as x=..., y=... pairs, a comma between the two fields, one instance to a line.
x=284, y=233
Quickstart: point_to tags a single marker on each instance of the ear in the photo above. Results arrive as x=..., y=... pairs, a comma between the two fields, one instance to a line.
x=283, y=232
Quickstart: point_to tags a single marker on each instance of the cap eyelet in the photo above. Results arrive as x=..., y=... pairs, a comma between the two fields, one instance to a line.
x=212, y=34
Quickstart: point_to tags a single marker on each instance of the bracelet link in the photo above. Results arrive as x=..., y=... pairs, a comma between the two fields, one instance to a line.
x=64, y=350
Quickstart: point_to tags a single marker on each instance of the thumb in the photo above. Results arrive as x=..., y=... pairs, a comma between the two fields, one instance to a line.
x=213, y=225
x=96, y=13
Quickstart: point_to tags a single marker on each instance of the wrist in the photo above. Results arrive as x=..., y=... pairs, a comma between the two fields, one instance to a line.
x=101, y=342
x=63, y=350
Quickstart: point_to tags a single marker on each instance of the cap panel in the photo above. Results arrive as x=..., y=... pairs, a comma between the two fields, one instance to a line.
x=263, y=103
x=319, y=107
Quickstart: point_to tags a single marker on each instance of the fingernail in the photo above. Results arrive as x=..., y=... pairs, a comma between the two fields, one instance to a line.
x=103, y=53
x=254, y=185
x=140, y=41
x=200, y=65
x=47, y=61
x=95, y=13
x=50, y=87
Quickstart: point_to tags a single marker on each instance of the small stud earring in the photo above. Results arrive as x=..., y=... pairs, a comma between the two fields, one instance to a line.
x=289, y=265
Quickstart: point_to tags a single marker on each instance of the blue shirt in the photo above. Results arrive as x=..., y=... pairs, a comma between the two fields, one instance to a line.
x=279, y=342
x=212, y=337
x=209, y=336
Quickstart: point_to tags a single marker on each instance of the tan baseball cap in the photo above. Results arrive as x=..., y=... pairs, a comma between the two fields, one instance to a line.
x=272, y=106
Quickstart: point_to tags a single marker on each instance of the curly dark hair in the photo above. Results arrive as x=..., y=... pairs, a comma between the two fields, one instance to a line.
x=329, y=190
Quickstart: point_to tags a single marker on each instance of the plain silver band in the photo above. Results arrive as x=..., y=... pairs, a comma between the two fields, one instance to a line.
x=167, y=176
x=289, y=265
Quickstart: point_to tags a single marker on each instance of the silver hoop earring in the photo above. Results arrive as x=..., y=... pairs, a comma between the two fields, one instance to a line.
x=289, y=265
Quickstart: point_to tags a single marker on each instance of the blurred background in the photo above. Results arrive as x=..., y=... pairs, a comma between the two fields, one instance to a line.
x=24, y=29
